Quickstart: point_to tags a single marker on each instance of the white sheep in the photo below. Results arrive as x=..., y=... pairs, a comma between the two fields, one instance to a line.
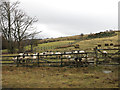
x=20, y=57
x=104, y=51
x=57, y=52
x=75, y=51
x=41, y=53
x=68, y=52
x=34, y=56
x=81, y=51
x=21, y=54
x=67, y=56
x=49, y=53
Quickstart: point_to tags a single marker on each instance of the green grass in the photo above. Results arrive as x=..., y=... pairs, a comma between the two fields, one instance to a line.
x=48, y=46
x=4, y=51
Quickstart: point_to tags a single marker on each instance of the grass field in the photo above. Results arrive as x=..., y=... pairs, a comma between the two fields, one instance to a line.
x=49, y=46
x=83, y=44
x=59, y=77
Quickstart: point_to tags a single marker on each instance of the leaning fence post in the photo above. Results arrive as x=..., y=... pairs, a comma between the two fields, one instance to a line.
x=38, y=59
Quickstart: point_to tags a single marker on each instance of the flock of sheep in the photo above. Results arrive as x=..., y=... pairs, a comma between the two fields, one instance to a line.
x=68, y=55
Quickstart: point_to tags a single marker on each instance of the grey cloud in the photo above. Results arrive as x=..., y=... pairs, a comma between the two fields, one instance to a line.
x=71, y=22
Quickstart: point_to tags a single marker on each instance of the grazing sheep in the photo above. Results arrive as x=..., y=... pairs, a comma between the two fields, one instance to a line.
x=81, y=51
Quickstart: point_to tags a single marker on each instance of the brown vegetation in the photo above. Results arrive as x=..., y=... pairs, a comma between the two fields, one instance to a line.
x=59, y=77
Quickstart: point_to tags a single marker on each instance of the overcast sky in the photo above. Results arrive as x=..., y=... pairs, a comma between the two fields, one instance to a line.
x=72, y=17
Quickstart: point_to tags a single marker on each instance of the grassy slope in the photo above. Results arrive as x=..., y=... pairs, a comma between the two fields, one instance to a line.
x=87, y=44
x=84, y=44
x=51, y=46
x=92, y=43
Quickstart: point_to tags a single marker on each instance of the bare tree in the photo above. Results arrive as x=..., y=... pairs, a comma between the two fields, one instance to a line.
x=6, y=22
x=15, y=24
x=22, y=25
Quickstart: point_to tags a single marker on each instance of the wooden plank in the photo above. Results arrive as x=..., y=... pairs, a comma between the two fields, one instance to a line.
x=7, y=63
x=109, y=49
x=6, y=60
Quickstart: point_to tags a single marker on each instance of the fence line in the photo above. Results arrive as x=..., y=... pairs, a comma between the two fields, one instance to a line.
x=41, y=59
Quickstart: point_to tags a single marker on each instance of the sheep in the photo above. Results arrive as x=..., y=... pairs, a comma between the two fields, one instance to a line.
x=57, y=52
x=104, y=51
x=78, y=51
x=30, y=58
x=14, y=59
x=68, y=52
x=67, y=56
x=24, y=57
x=42, y=53
x=58, y=56
x=21, y=54
x=75, y=51
x=90, y=59
x=50, y=52
x=35, y=56
x=20, y=57
x=80, y=61
x=81, y=51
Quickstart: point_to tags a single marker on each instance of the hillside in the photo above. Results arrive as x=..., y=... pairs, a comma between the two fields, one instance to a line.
x=82, y=36
x=84, y=42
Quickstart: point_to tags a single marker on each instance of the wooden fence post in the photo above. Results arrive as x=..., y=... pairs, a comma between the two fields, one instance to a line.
x=17, y=62
x=96, y=60
x=38, y=59
x=86, y=56
x=61, y=61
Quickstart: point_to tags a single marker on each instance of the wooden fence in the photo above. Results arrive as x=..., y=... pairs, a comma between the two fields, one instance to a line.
x=58, y=59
